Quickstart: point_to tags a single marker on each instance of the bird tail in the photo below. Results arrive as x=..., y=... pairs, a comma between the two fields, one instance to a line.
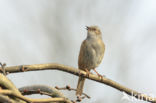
x=80, y=85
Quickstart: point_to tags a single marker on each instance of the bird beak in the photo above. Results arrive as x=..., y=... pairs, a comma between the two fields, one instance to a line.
x=87, y=27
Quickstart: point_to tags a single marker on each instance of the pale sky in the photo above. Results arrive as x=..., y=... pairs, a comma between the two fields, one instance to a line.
x=48, y=31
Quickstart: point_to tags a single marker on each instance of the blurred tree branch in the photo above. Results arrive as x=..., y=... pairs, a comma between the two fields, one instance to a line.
x=6, y=84
x=45, y=100
x=6, y=99
x=40, y=89
x=77, y=72
x=10, y=94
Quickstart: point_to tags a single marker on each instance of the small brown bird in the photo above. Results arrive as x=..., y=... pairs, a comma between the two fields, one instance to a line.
x=91, y=54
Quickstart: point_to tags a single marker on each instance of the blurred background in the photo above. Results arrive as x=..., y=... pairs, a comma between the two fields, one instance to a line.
x=51, y=31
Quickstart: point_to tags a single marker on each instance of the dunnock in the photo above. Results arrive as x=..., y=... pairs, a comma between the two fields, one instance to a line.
x=91, y=54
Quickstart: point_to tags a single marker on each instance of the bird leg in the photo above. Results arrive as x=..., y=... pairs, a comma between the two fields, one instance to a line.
x=99, y=75
x=87, y=72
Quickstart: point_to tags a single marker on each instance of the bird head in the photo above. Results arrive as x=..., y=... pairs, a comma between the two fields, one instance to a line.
x=93, y=31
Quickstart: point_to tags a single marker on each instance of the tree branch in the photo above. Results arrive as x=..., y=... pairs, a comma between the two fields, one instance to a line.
x=5, y=83
x=104, y=80
x=10, y=90
x=41, y=89
x=6, y=99
x=43, y=100
x=69, y=88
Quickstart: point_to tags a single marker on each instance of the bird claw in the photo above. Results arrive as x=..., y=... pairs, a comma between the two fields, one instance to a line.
x=99, y=75
x=87, y=72
x=79, y=73
x=23, y=68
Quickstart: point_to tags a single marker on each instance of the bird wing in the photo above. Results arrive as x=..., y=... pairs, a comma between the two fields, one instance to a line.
x=86, y=56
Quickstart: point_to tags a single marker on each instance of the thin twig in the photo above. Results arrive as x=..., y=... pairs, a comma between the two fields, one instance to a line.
x=79, y=98
x=40, y=89
x=69, y=88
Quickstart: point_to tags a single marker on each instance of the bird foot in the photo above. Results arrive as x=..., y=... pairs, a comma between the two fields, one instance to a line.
x=87, y=72
x=23, y=68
